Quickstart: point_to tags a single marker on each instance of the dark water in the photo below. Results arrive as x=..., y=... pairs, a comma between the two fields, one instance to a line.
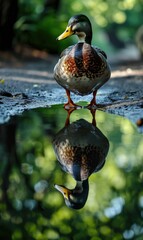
x=30, y=206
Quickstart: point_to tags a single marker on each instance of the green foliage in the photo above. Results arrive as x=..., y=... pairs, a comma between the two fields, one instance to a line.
x=40, y=29
x=40, y=33
x=30, y=207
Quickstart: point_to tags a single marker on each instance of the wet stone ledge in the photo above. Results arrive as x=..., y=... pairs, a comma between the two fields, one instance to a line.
x=31, y=85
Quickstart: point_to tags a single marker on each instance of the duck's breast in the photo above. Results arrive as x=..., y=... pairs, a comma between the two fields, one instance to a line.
x=82, y=70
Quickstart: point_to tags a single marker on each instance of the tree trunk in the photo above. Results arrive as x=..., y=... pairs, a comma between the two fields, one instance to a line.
x=8, y=16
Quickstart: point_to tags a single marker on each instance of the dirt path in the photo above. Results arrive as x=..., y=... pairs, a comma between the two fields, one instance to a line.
x=27, y=83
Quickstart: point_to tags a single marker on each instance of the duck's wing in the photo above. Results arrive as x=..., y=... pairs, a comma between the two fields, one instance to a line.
x=98, y=50
x=66, y=51
x=63, y=167
x=98, y=168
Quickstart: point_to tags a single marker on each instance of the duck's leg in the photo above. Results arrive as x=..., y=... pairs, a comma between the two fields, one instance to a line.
x=93, y=101
x=93, y=112
x=70, y=103
x=69, y=111
x=93, y=104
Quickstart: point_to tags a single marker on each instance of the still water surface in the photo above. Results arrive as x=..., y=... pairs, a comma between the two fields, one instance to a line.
x=30, y=206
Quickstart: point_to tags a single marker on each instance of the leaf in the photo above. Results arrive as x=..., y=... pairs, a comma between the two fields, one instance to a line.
x=2, y=81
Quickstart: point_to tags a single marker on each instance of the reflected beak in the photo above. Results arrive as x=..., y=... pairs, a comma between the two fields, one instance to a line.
x=63, y=190
x=68, y=32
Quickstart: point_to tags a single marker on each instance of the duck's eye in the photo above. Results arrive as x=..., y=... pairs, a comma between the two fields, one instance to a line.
x=67, y=30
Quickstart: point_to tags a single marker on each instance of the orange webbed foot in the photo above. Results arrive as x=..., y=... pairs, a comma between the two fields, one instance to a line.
x=70, y=104
x=93, y=104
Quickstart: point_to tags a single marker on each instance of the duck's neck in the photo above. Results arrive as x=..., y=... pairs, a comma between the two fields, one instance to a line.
x=86, y=36
x=78, y=187
x=81, y=187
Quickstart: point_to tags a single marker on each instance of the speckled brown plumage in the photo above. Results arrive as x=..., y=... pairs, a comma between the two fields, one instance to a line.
x=81, y=149
x=82, y=70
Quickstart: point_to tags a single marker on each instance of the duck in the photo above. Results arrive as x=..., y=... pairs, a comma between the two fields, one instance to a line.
x=81, y=68
x=81, y=149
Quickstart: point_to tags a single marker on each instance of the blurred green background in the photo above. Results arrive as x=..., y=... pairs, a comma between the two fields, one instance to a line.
x=31, y=208
x=38, y=22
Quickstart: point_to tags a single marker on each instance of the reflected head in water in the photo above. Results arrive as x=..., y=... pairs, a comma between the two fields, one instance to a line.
x=75, y=198
x=81, y=149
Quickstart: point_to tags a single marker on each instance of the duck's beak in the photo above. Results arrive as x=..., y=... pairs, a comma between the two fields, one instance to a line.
x=68, y=32
x=63, y=190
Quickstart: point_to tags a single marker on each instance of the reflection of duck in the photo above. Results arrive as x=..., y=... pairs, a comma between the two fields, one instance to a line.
x=81, y=149
x=82, y=68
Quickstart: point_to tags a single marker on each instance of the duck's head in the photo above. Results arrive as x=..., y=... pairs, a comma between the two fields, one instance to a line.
x=80, y=26
x=75, y=198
